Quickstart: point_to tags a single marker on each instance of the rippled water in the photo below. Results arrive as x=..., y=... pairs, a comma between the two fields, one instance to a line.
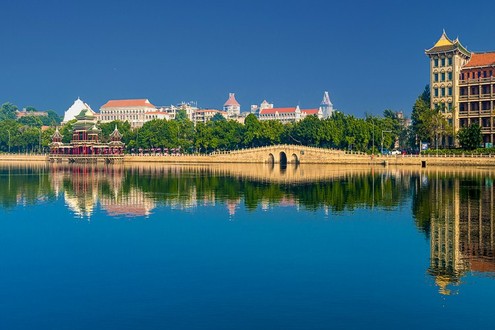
x=245, y=246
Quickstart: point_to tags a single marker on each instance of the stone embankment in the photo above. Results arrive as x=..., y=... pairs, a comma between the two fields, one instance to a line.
x=23, y=157
x=292, y=154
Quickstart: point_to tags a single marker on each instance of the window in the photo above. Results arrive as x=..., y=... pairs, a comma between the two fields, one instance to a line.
x=450, y=91
x=450, y=75
x=436, y=77
x=436, y=92
x=484, y=74
x=462, y=76
x=479, y=74
x=435, y=62
x=450, y=60
x=443, y=76
x=443, y=61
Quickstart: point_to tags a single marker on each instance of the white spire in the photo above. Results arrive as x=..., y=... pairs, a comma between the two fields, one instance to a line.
x=326, y=105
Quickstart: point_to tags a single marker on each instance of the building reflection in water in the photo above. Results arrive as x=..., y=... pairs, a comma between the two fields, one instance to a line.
x=462, y=229
x=84, y=187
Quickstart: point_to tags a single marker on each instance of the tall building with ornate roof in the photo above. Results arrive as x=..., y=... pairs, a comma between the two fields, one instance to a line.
x=231, y=106
x=463, y=84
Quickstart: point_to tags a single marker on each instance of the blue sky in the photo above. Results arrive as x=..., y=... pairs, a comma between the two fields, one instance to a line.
x=368, y=55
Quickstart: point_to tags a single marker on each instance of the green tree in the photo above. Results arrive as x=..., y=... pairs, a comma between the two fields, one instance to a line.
x=470, y=137
x=252, y=131
x=218, y=117
x=419, y=116
x=8, y=111
x=31, y=121
x=181, y=115
x=52, y=119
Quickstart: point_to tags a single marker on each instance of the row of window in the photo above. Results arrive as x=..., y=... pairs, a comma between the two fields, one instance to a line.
x=442, y=91
x=447, y=105
x=476, y=74
x=125, y=111
x=485, y=122
x=442, y=61
x=475, y=90
x=442, y=76
x=475, y=106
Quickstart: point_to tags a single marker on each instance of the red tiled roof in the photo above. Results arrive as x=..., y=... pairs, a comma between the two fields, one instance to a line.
x=481, y=59
x=310, y=111
x=279, y=110
x=128, y=103
x=231, y=101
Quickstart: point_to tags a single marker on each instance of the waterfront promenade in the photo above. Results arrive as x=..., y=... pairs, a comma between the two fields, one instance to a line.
x=290, y=154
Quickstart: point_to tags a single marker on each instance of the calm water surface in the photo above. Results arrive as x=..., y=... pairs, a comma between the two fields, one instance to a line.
x=243, y=247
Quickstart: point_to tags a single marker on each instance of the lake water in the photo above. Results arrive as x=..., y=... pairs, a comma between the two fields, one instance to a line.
x=246, y=247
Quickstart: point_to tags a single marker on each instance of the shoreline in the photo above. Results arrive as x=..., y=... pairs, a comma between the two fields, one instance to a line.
x=333, y=159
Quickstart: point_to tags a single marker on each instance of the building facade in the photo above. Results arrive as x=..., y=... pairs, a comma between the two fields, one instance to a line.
x=287, y=115
x=205, y=115
x=462, y=84
x=135, y=111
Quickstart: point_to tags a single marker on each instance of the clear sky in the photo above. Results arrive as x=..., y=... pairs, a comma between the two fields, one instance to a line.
x=368, y=55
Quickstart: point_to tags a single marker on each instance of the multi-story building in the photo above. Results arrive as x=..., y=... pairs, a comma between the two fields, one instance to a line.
x=462, y=84
x=136, y=111
x=204, y=115
x=287, y=115
x=232, y=107
x=25, y=113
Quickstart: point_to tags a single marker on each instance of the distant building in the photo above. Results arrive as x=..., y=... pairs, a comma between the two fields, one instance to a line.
x=232, y=107
x=135, y=111
x=75, y=109
x=204, y=115
x=25, y=113
x=287, y=115
x=326, y=105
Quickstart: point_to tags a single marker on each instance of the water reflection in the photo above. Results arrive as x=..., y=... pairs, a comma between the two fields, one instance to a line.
x=138, y=190
x=456, y=211
x=453, y=208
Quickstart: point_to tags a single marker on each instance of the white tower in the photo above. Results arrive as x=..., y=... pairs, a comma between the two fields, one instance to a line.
x=326, y=106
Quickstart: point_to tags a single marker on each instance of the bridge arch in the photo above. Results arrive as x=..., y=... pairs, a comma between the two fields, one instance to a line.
x=271, y=159
x=294, y=159
x=283, y=158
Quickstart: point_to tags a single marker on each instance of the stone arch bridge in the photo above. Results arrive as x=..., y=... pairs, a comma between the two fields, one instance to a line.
x=289, y=154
